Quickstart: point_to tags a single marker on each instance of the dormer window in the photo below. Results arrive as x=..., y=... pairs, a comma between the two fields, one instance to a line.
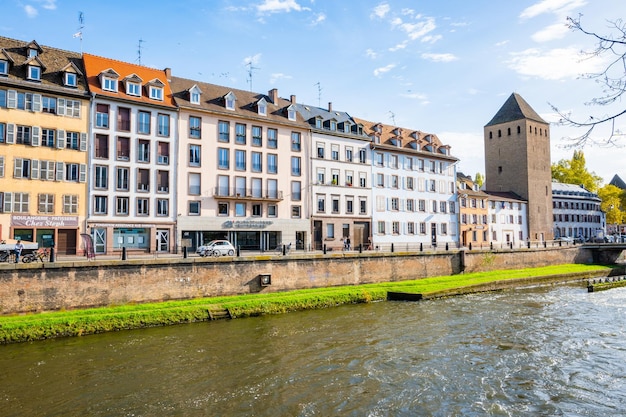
x=71, y=79
x=346, y=127
x=262, y=107
x=32, y=52
x=4, y=67
x=333, y=125
x=291, y=113
x=194, y=95
x=109, y=84
x=133, y=89
x=229, y=101
x=34, y=73
x=156, y=93
x=318, y=123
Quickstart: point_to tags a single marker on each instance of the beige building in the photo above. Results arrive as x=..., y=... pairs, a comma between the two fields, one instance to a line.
x=517, y=159
x=44, y=109
x=473, y=213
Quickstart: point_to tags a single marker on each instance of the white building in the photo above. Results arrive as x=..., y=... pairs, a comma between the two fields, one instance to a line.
x=414, y=197
x=508, y=218
x=576, y=212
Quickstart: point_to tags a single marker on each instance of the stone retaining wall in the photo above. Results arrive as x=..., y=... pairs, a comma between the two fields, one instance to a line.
x=69, y=285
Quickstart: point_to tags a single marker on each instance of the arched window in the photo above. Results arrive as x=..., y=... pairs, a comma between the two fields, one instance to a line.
x=530, y=129
x=508, y=131
x=499, y=133
x=519, y=130
x=490, y=135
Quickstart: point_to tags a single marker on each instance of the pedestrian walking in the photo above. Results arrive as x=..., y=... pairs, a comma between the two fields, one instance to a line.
x=19, y=247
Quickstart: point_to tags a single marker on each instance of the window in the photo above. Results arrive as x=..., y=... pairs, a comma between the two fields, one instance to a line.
x=257, y=162
x=72, y=140
x=3, y=129
x=121, y=206
x=257, y=210
x=224, y=131
x=240, y=160
x=23, y=135
x=257, y=136
x=70, y=108
x=394, y=181
x=395, y=228
x=46, y=203
x=291, y=113
x=229, y=101
x=48, y=137
x=362, y=156
x=143, y=150
x=194, y=155
x=123, y=119
x=46, y=170
x=143, y=206
x=272, y=163
x=163, y=153
x=409, y=183
x=48, y=105
x=423, y=228
x=133, y=89
x=296, y=212
x=163, y=181
x=194, y=96
x=296, y=144
x=422, y=205
x=349, y=205
x=34, y=73
x=362, y=179
x=143, y=179
x=109, y=84
x=101, y=177
x=410, y=228
x=272, y=138
x=70, y=204
x=335, y=204
x=16, y=202
x=72, y=172
x=349, y=178
x=163, y=124
x=296, y=190
x=240, y=133
x=4, y=67
x=156, y=93
x=194, y=184
x=194, y=208
x=121, y=179
x=410, y=205
x=380, y=226
x=443, y=206
x=334, y=152
x=194, y=127
x=162, y=207
x=393, y=161
x=272, y=210
x=379, y=158
x=296, y=166
x=21, y=168
x=143, y=122
x=395, y=204
x=102, y=116
x=320, y=150
x=100, y=204
x=223, y=159
x=348, y=154
x=240, y=209
x=380, y=180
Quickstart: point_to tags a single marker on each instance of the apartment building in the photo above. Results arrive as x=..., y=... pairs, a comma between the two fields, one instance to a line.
x=414, y=198
x=44, y=119
x=473, y=213
x=508, y=221
x=132, y=154
x=577, y=212
x=340, y=179
x=243, y=168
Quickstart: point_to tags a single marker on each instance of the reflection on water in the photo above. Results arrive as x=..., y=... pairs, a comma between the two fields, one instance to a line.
x=541, y=351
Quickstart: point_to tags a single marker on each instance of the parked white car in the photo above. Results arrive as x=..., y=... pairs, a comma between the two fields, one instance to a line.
x=216, y=248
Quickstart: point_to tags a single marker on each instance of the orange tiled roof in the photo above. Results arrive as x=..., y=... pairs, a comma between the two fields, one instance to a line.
x=95, y=65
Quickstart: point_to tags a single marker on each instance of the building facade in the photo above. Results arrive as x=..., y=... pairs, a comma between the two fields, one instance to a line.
x=44, y=109
x=414, y=198
x=243, y=168
x=340, y=179
x=577, y=212
x=132, y=154
x=508, y=219
x=517, y=159
x=473, y=213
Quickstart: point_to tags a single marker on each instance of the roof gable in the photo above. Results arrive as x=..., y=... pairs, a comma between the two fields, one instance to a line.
x=515, y=108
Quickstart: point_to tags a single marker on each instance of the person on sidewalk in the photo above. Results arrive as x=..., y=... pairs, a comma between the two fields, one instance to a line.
x=19, y=247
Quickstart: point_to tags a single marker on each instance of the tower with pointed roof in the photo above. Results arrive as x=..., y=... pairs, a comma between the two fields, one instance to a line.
x=517, y=159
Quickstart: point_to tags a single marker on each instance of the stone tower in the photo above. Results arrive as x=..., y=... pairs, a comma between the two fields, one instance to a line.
x=517, y=159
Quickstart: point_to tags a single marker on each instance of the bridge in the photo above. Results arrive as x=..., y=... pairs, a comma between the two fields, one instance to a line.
x=605, y=253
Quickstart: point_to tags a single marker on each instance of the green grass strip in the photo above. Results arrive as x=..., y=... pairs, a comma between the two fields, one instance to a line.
x=38, y=326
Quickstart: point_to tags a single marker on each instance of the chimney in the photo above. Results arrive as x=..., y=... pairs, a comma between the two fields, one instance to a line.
x=273, y=93
x=330, y=106
x=293, y=99
x=168, y=74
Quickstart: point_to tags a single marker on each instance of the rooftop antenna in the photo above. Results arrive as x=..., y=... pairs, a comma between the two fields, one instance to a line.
x=319, y=93
x=79, y=33
x=139, y=50
x=250, y=69
x=393, y=117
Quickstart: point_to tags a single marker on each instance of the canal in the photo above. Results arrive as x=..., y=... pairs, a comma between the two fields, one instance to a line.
x=543, y=351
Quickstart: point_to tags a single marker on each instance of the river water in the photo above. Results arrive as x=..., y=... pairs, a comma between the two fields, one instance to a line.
x=544, y=351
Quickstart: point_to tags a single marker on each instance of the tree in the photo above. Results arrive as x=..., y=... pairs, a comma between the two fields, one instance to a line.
x=612, y=203
x=574, y=171
x=479, y=179
x=612, y=79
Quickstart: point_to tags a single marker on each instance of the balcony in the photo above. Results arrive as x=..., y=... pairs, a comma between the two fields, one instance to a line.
x=247, y=194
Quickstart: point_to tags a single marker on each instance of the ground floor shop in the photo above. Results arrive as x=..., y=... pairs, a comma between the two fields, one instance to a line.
x=247, y=234
x=58, y=232
x=339, y=232
x=108, y=238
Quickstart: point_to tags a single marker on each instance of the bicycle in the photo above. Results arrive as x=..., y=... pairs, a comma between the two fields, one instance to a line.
x=5, y=256
x=287, y=248
x=39, y=255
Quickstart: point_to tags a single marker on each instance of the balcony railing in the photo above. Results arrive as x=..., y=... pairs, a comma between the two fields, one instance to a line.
x=247, y=194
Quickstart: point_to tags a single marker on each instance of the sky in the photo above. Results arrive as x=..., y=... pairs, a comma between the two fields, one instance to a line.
x=439, y=66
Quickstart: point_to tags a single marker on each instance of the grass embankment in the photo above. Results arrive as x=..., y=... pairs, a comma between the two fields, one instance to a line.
x=20, y=328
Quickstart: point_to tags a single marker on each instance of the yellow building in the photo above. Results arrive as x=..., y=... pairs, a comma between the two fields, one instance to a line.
x=44, y=109
x=473, y=213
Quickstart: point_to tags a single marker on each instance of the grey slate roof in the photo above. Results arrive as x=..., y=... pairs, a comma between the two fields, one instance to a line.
x=618, y=182
x=515, y=108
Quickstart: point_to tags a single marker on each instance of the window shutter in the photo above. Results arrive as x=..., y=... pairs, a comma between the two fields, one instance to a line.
x=1, y=166
x=10, y=133
x=60, y=171
x=50, y=170
x=83, y=173
x=34, y=169
x=8, y=200
x=35, y=136
x=83, y=142
x=17, y=167
x=37, y=102
x=60, y=139
x=11, y=99
x=61, y=107
x=76, y=109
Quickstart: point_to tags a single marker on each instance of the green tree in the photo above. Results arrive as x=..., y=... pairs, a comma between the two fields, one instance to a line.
x=574, y=171
x=613, y=202
x=479, y=179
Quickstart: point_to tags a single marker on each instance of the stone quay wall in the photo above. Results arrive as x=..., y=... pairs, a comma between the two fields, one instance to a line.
x=72, y=285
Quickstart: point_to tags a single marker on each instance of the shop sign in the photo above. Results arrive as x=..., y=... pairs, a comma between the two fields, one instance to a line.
x=246, y=224
x=43, y=221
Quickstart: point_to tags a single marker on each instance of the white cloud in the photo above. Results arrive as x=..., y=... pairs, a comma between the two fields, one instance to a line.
x=279, y=76
x=253, y=60
x=559, y=7
x=467, y=146
x=439, y=57
x=371, y=54
x=415, y=96
x=30, y=11
x=555, y=64
x=279, y=6
x=502, y=43
x=321, y=17
x=48, y=4
x=382, y=70
x=401, y=45
x=431, y=38
x=380, y=11
x=552, y=32
x=415, y=30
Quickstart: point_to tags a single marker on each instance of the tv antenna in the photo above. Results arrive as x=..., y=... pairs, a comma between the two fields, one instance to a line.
x=319, y=93
x=392, y=115
x=79, y=33
x=250, y=69
x=139, y=47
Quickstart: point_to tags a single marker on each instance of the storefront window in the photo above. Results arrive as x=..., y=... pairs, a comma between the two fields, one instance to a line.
x=131, y=238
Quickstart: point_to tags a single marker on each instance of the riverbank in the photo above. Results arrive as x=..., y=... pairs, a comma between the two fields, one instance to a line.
x=40, y=326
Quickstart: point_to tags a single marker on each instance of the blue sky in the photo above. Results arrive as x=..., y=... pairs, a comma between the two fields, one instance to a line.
x=443, y=67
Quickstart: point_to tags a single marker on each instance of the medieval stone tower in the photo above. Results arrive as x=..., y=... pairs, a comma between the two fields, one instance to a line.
x=517, y=159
